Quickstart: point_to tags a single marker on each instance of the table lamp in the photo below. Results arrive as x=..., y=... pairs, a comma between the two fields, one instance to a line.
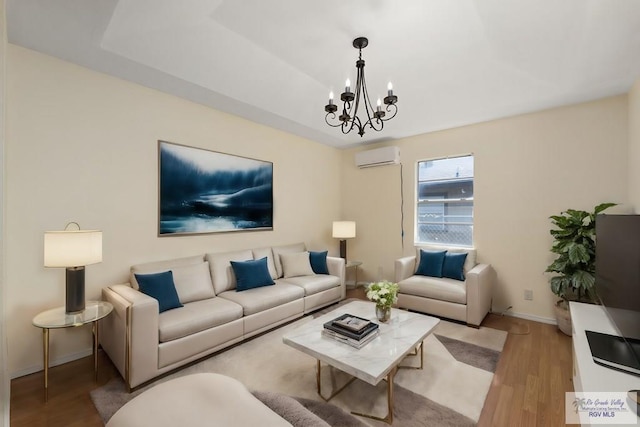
x=344, y=230
x=73, y=249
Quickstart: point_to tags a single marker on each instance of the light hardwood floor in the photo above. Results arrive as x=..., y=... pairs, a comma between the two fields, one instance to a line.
x=528, y=388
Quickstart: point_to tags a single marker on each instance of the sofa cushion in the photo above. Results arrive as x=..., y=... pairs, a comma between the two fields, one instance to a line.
x=277, y=250
x=435, y=288
x=260, y=299
x=469, y=263
x=319, y=262
x=193, y=282
x=197, y=316
x=453, y=266
x=431, y=263
x=221, y=271
x=314, y=284
x=251, y=274
x=296, y=264
x=161, y=287
x=160, y=266
x=266, y=252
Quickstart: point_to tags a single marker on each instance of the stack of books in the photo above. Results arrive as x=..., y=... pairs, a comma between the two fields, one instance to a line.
x=352, y=330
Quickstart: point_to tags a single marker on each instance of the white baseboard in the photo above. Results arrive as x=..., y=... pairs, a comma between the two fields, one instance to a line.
x=59, y=361
x=532, y=317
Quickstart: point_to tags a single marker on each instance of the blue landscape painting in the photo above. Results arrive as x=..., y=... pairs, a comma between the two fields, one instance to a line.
x=204, y=191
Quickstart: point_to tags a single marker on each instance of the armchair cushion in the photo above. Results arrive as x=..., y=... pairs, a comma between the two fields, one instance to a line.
x=161, y=287
x=453, y=266
x=435, y=288
x=469, y=263
x=431, y=263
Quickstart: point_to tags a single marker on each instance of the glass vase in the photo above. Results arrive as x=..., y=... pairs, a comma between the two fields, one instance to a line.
x=383, y=313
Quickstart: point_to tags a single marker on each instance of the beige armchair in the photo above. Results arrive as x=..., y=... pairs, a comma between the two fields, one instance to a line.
x=467, y=301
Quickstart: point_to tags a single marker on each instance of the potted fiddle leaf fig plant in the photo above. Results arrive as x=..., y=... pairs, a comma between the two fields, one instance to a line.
x=574, y=268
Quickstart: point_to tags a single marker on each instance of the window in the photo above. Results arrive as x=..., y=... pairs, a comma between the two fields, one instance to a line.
x=444, y=205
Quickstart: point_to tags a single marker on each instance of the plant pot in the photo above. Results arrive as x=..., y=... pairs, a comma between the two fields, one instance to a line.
x=563, y=317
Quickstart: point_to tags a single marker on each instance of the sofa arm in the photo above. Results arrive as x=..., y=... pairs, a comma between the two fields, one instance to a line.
x=479, y=281
x=337, y=268
x=131, y=340
x=404, y=268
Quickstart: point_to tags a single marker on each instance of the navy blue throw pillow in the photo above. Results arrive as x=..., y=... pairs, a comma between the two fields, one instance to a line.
x=319, y=262
x=431, y=263
x=251, y=274
x=453, y=265
x=161, y=287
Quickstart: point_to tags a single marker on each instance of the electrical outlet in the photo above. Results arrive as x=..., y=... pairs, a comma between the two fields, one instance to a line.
x=528, y=294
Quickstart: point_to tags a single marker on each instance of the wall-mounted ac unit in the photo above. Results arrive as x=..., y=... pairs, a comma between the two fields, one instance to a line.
x=378, y=157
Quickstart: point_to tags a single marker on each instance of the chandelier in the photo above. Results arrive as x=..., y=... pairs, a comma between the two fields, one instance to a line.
x=349, y=119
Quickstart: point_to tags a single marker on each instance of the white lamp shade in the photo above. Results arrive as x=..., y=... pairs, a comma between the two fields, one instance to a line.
x=344, y=229
x=75, y=248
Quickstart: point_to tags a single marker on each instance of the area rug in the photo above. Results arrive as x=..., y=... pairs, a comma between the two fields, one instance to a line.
x=459, y=363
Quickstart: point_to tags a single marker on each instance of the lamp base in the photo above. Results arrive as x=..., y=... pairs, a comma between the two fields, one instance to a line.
x=343, y=249
x=74, y=299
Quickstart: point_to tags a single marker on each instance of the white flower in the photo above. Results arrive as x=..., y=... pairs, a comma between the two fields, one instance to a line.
x=384, y=294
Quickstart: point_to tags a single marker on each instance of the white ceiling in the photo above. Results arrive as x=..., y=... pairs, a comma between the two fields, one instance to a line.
x=452, y=62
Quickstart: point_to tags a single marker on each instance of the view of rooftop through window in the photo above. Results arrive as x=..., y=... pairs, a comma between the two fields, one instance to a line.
x=445, y=201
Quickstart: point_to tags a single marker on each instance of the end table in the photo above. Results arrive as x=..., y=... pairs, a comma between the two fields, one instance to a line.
x=355, y=265
x=57, y=318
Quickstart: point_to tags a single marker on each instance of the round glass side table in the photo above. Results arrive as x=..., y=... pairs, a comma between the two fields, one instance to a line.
x=57, y=318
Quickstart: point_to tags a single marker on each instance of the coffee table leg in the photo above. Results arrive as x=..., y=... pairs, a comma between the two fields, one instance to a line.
x=319, y=384
x=389, y=417
x=415, y=354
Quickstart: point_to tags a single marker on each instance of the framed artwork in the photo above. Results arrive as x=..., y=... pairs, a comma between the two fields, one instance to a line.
x=203, y=191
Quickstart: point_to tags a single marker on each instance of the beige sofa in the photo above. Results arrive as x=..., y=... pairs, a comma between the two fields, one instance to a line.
x=143, y=343
x=467, y=301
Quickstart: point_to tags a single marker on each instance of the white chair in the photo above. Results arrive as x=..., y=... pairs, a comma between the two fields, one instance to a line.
x=467, y=301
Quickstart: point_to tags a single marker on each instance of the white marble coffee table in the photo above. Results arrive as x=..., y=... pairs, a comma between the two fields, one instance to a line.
x=378, y=360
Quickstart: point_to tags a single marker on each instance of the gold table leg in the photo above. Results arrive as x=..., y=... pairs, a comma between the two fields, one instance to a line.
x=319, y=385
x=389, y=417
x=45, y=347
x=95, y=351
x=421, y=346
x=389, y=379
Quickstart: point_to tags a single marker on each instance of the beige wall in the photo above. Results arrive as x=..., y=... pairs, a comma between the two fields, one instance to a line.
x=526, y=168
x=4, y=377
x=634, y=146
x=82, y=146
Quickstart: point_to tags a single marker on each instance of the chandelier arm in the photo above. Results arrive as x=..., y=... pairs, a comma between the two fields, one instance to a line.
x=367, y=101
x=326, y=119
x=395, y=111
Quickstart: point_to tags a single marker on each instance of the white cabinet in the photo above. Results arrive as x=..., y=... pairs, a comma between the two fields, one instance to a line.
x=588, y=375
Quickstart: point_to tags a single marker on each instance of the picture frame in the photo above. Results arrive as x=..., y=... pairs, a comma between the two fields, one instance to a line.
x=202, y=191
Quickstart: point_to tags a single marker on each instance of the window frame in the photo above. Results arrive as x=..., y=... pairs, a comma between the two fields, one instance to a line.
x=443, y=202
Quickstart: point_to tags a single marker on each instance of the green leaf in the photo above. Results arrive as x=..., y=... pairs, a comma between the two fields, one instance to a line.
x=603, y=206
x=583, y=280
x=577, y=253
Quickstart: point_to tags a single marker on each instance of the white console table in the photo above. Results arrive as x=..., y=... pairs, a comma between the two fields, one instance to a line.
x=588, y=375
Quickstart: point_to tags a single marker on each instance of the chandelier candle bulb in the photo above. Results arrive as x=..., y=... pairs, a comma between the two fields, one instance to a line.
x=347, y=86
x=390, y=89
x=379, y=105
x=330, y=98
